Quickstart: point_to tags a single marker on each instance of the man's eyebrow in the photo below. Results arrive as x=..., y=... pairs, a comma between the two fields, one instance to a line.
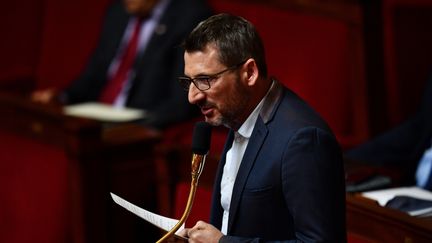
x=199, y=75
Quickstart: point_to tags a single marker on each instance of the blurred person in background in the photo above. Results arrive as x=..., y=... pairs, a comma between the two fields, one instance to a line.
x=406, y=148
x=137, y=60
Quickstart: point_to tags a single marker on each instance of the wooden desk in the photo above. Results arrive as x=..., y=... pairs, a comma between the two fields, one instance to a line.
x=100, y=158
x=379, y=224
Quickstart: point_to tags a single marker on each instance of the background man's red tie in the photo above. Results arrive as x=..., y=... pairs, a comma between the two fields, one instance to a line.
x=114, y=86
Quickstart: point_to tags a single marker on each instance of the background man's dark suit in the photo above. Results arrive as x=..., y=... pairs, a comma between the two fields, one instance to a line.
x=402, y=146
x=290, y=183
x=155, y=87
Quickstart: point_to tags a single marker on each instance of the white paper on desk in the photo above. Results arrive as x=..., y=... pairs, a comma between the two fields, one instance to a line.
x=104, y=112
x=162, y=222
x=385, y=195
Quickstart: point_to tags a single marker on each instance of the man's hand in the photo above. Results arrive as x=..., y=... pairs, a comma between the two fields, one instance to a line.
x=175, y=239
x=202, y=232
x=44, y=96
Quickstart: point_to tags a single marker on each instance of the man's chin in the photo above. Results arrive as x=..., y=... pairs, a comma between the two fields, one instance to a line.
x=213, y=121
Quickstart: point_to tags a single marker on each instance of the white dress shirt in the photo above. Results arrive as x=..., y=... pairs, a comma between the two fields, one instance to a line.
x=424, y=168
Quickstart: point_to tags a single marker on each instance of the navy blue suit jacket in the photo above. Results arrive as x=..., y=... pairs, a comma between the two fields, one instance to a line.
x=402, y=146
x=290, y=184
x=154, y=87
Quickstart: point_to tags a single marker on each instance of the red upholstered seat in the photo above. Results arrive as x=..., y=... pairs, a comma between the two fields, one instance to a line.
x=20, y=25
x=67, y=39
x=33, y=191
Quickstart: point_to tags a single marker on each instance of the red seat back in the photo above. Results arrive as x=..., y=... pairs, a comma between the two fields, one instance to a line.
x=319, y=57
x=20, y=25
x=33, y=191
x=70, y=32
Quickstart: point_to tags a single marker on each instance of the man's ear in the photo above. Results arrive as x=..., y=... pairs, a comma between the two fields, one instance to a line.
x=251, y=72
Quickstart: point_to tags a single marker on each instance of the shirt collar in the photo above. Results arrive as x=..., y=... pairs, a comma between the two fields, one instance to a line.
x=247, y=127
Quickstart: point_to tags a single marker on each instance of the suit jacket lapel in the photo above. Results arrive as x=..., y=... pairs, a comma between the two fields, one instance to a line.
x=255, y=142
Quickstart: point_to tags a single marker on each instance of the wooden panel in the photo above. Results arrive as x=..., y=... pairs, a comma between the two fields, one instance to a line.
x=380, y=224
x=88, y=160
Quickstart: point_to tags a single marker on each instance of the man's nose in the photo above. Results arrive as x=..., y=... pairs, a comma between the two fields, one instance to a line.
x=194, y=94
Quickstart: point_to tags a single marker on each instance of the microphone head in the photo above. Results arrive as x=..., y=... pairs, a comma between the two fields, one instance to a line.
x=201, y=138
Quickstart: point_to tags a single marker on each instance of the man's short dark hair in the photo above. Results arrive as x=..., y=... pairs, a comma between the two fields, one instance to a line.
x=236, y=39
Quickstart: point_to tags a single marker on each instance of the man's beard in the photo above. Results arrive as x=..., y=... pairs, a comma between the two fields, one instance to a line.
x=235, y=106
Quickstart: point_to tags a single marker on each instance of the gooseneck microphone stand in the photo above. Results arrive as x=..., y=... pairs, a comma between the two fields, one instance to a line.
x=200, y=148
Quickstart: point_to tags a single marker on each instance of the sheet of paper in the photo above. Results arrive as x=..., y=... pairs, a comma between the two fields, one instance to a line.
x=426, y=212
x=104, y=112
x=162, y=222
x=383, y=196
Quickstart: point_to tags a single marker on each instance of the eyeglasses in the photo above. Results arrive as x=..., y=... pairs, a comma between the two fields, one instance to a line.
x=203, y=82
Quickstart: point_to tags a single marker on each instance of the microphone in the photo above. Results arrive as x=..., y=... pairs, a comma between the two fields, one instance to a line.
x=200, y=148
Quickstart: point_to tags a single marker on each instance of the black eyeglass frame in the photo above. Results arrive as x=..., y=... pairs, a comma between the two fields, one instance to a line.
x=202, y=82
